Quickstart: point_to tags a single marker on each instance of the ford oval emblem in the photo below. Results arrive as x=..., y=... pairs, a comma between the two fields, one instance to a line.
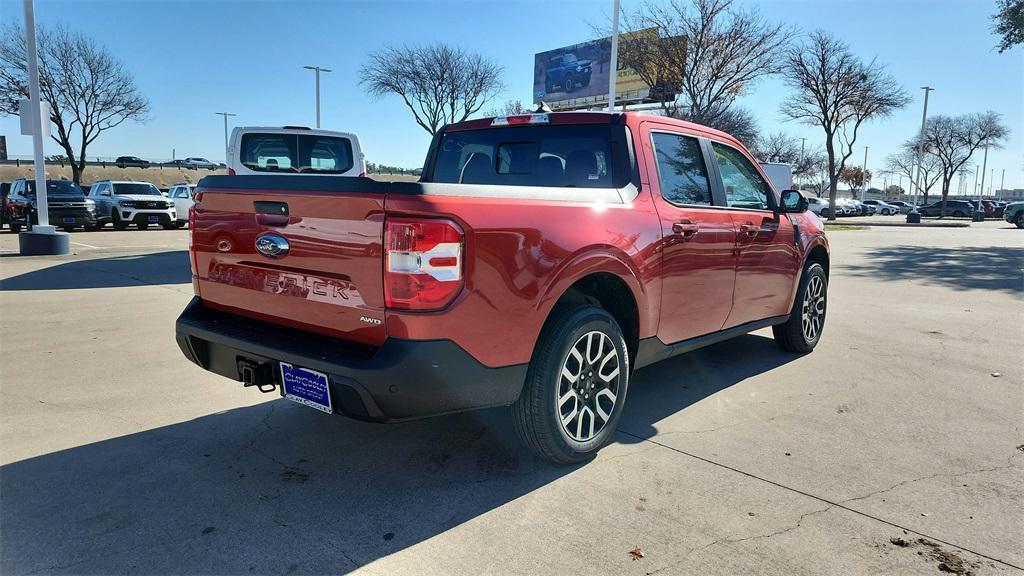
x=272, y=245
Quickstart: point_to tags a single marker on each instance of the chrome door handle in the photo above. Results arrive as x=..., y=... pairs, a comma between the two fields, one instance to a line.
x=749, y=229
x=685, y=228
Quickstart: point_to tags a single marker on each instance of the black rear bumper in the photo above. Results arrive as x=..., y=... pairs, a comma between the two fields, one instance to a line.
x=400, y=380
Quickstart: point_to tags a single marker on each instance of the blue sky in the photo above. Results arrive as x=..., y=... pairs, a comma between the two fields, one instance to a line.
x=192, y=59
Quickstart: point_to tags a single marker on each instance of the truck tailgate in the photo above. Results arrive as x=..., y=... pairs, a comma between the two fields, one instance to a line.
x=329, y=277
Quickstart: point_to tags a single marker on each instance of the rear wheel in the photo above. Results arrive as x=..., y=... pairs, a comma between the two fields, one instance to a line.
x=807, y=318
x=576, y=386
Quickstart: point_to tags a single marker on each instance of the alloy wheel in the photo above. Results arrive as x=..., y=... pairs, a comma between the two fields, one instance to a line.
x=588, y=386
x=813, y=308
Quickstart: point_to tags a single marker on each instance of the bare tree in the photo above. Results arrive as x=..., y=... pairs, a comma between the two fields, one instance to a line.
x=704, y=55
x=510, y=108
x=439, y=83
x=904, y=162
x=954, y=139
x=781, y=147
x=1008, y=23
x=838, y=92
x=776, y=147
x=88, y=89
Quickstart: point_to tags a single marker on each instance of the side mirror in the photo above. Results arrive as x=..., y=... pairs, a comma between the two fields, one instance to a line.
x=793, y=202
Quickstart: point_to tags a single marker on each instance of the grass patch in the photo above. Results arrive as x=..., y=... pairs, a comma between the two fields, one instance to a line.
x=839, y=227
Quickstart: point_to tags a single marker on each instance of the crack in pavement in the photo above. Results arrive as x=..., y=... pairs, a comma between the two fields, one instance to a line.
x=1008, y=465
x=731, y=540
x=834, y=504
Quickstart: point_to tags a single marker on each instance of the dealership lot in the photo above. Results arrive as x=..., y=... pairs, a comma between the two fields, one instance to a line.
x=896, y=447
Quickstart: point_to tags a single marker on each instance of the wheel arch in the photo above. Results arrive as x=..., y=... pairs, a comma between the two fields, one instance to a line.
x=607, y=282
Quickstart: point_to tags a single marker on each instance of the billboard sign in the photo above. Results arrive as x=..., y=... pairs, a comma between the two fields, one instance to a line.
x=577, y=76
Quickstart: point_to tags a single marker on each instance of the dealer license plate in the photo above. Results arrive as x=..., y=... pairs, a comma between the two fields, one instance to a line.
x=307, y=387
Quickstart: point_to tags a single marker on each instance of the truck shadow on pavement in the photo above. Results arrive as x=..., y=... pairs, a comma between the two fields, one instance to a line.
x=278, y=488
x=117, y=271
x=961, y=268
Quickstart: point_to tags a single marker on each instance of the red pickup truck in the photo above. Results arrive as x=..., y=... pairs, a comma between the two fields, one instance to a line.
x=538, y=262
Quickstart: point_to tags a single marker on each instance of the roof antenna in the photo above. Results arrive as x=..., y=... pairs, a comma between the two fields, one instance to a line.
x=543, y=108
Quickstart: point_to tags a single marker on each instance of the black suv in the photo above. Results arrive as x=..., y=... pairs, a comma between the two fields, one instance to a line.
x=68, y=206
x=958, y=208
x=135, y=161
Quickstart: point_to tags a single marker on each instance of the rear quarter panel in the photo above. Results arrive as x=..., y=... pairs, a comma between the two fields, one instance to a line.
x=522, y=255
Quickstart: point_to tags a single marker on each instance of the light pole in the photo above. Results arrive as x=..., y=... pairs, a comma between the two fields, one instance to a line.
x=980, y=214
x=920, y=149
x=614, y=64
x=225, y=115
x=317, y=70
x=800, y=164
x=864, y=173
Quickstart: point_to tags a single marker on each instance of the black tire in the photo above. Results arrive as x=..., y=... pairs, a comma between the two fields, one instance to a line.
x=143, y=225
x=791, y=336
x=959, y=214
x=68, y=228
x=538, y=416
x=1019, y=222
x=570, y=84
x=170, y=226
x=115, y=218
x=179, y=224
x=15, y=227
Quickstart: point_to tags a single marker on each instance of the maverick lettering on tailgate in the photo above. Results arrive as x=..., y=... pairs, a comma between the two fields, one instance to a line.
x=327, y=290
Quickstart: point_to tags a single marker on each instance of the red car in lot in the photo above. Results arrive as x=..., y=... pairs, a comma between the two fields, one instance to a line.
x=538, y=262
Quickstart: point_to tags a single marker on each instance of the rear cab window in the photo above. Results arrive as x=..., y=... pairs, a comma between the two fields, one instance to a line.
x=559, y=155
x=296, y=153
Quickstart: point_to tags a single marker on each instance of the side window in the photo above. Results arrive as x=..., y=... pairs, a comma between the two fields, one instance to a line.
x=744, y=187
x=681, y=170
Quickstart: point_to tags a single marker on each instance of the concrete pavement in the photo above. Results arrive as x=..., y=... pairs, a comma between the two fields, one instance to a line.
x=892, y=449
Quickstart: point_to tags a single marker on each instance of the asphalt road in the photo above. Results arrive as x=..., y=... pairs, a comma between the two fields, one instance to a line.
x=895, y=448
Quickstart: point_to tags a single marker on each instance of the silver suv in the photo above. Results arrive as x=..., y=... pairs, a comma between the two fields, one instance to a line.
x=123, y=203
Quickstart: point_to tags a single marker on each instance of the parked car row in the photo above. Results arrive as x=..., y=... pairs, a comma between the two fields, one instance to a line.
x=115, y=202
x=850, y=207
x=193, y=163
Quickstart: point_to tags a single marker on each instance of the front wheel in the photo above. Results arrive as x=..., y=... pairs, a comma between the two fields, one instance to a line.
x=170, y=226
x=1019, y=222
x=119, y=224
x=143, y=225
x=801, y=332
x=575, y=387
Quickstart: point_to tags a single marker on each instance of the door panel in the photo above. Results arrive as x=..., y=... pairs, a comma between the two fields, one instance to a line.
x=698, y=239
x=768, y=258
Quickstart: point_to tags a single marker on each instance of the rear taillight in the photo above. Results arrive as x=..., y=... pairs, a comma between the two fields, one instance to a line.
x=191, y=239
x=422, y=262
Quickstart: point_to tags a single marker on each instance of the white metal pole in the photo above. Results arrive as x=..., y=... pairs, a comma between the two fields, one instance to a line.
x=42, y=206
x=613, y=67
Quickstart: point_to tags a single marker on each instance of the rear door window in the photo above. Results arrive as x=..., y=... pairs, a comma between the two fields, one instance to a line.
x=296, y=153
x=682, y=175
x=579, y=155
